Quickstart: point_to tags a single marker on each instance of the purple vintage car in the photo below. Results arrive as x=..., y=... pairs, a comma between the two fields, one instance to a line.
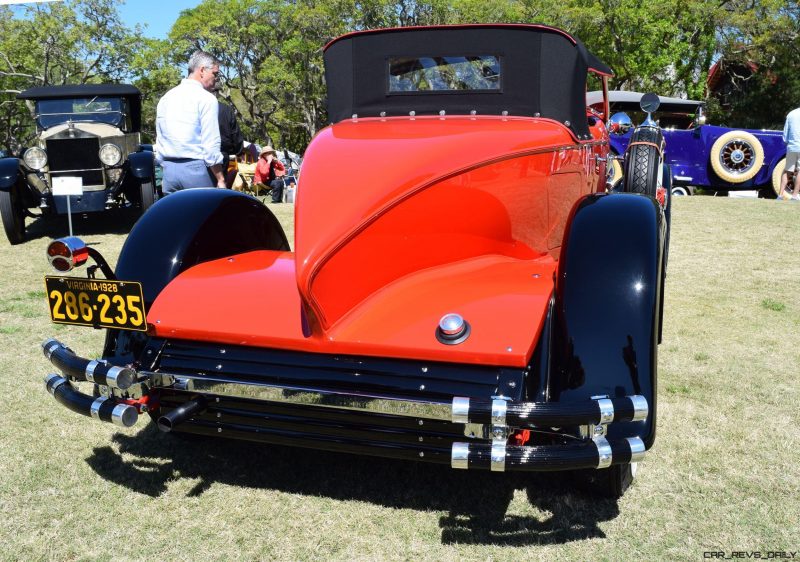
x=707, y=156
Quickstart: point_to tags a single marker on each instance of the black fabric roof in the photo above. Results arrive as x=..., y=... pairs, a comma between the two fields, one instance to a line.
x=132, y=93
x=78, y=90
x=543, y=72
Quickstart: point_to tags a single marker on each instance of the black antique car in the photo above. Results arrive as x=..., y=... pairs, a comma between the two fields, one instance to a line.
x=88, y=144
x=480, y=300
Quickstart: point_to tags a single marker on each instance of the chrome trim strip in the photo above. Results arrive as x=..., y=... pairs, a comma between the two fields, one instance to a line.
x=459, y=456
x=604, y=453
x=682, y=178
x=637, y=448
x=49, y=346
x=406, y=407
x=124, y=415
x=89, y=371
x=498, y=457
x=460, y=409
x=606, y=410
x=95, y=408
x=640, y=407
x=499, y=408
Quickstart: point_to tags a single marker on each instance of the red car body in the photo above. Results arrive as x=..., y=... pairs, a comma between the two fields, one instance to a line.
x=476, y=298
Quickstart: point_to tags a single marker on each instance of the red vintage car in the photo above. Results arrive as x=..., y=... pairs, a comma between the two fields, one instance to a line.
x=478, y=300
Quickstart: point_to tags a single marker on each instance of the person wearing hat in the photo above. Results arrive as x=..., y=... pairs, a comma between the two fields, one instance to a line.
x=270, y=171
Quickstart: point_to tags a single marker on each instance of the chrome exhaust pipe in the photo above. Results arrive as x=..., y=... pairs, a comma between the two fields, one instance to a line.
x=81, y=369
x=168, y=421
x=102, y=408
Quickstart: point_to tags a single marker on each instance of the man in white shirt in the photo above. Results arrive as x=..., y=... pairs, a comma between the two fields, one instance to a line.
x=187, y=129
x=791, y=136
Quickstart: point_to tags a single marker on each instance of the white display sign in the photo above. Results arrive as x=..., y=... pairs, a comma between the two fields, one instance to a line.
x=68, y=185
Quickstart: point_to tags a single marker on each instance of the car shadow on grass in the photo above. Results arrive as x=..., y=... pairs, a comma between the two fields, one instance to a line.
x=476, y=502
x=115, y=221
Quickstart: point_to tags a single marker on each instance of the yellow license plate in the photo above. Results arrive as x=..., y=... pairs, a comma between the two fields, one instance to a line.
x=99, y=303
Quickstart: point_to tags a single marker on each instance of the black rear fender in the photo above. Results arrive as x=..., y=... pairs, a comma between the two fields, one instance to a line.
x=181, y=230
x=606, y=315
x=191, y=227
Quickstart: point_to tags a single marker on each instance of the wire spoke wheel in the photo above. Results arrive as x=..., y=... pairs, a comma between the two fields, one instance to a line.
x=737, y=156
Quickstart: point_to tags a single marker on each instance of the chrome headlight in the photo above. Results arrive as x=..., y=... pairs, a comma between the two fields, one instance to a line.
x=35, y=158
x=110, y=154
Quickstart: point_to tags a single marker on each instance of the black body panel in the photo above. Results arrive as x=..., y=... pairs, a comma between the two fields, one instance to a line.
x=412, y=379
x=608, y=305
x=9, y=173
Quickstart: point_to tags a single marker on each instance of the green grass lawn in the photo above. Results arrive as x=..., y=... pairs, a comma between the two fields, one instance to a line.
x=723, y=474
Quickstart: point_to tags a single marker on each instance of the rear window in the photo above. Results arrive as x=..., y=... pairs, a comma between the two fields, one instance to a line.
x=462, y=73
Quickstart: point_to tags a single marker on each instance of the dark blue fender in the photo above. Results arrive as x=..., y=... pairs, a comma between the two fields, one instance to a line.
x=142, y=165
x=194, y=226
x=607, y=305
x=9, y=173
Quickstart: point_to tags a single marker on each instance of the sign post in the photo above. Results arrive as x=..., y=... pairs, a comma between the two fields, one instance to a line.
x=66, y=186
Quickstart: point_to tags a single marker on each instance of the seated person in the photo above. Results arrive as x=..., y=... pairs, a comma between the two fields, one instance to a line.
x=270, y=172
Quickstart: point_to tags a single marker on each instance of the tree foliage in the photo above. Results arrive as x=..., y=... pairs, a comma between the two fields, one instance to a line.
x=271, y=50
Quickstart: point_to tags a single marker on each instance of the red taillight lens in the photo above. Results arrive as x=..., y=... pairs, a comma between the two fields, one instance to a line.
x=60, y=263
x=58, y=248
x=66, y=253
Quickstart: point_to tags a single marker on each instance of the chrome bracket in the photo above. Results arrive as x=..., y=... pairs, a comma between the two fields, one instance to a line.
x=499, y=433
x=604, y=454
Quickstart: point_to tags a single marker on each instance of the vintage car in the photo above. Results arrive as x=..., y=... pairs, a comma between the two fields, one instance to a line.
x=88, y=144
x=707, y=156
x=479, y=301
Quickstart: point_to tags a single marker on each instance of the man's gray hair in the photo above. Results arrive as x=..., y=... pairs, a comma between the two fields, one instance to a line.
x=201, y=59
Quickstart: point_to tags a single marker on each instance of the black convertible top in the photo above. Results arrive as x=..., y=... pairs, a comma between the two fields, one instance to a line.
x=543, y=72
x=78, y=90
x=132, y=93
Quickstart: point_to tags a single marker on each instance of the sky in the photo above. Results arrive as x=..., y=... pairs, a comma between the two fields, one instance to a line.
x=157, y=15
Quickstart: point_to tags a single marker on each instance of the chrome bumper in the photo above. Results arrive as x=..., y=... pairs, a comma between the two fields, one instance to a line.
x=372, y=424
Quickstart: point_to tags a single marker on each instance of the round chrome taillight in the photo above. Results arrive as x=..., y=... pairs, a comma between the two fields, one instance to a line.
x=452, y=329
x=35, y=158
x=67, y=253
x=110, y=154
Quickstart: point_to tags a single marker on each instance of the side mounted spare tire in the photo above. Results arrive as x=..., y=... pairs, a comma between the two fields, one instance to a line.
x=737, y=156
x=643, y=162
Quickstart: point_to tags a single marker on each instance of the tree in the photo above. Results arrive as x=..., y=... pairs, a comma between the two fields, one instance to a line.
x=77, y=42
